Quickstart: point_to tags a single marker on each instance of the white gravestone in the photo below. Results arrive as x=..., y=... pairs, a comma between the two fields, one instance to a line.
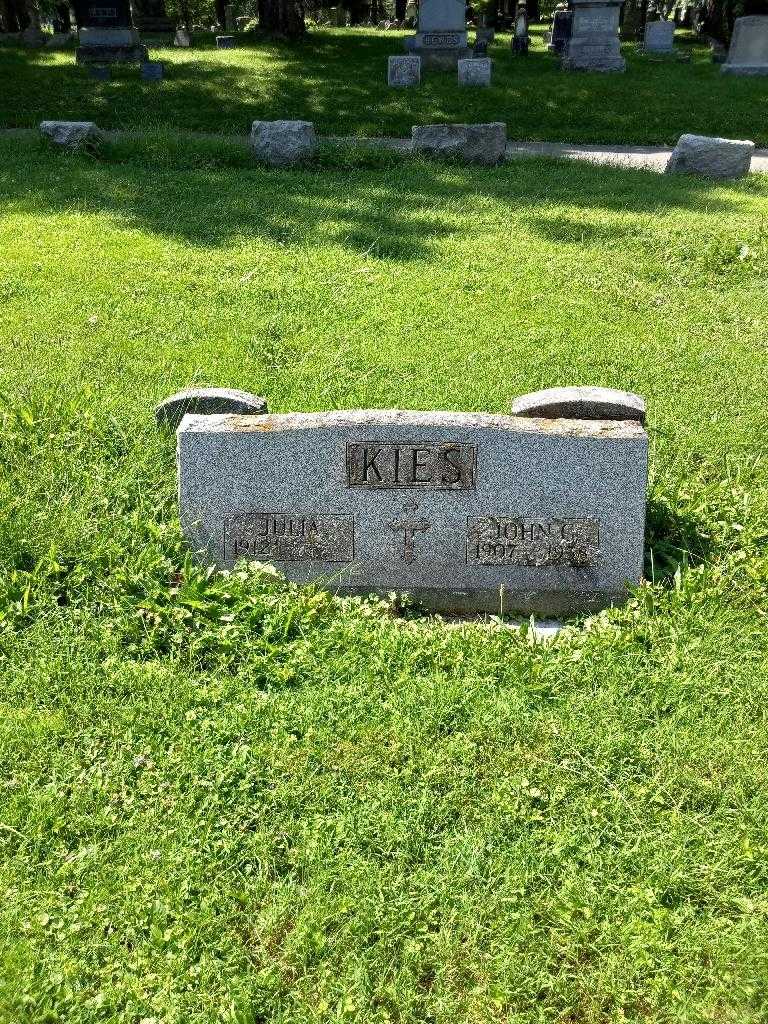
x=659, y=36
x=594, y=41
x=464, y=511
x=748, y=52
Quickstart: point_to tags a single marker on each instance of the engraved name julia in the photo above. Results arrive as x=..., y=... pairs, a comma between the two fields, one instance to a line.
x=444, y=466
x=289, y=537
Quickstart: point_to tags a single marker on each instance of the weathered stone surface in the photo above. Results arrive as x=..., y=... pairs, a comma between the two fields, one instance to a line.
x=711, y=157
x=282, y=143
x=580, y=403
x=659, y=36
x=441, y=38
x=207, y=402
x=225, y=42
x=182, y=38
x=110, y=46
x=594, y=41
x=473, y=143
x=748, y=52
x=152, y=71
x=475, y=72
x=484, y=34
x=404, y=72
x=464, y=511
x=71, y=134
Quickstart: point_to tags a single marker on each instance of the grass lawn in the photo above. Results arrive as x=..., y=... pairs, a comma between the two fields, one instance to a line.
x=228, y=799
x=337, y=78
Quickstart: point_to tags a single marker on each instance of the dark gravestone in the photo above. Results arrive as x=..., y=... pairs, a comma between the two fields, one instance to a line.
x=225, y=42
x=520, y=38
x=106, y=33
x=561, y=30
x=152, y=71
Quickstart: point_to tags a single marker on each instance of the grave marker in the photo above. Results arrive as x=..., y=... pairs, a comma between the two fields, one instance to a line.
x=748, y=52
x=464, y=511
x=594, y=41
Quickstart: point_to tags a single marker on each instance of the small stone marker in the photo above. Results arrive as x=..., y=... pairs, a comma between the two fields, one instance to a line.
x=473, y=143
x=283, y=143
x=711, y=157
x=100, y=73
x=403, y=72
x=225, y=42
x=748, y=52
x=484, y=34
x=580, y=403
x=182, y=38
x=466, y=512
x=659, y=36
x=72, y=134
x=207, y=402
x=475, y=71
x=594, y=41
x=152, y=71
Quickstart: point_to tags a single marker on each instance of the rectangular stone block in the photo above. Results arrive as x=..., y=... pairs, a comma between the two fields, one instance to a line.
x=464, y=511
x=152, y=71
x=748, y=52
x=476, y=71
x=225, y=42
x=659, y=36
x=470, y=143
x=403, y=72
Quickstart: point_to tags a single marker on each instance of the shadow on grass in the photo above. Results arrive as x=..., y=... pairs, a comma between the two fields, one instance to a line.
x=671, y=540
x=396, y=211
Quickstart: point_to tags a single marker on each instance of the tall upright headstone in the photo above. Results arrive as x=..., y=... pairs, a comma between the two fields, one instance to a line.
x=561, y=29
x=466, y=512
x=106, y=33
x=594, y=42
x=441, y=38
x=748, y=52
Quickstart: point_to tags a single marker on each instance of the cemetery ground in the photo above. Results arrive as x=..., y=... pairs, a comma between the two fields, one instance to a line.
x=228, y=798
x=337, y=79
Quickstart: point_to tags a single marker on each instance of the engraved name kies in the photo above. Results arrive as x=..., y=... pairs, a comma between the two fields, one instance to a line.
x=279, y=537
x=437, y=467
x=501, y=540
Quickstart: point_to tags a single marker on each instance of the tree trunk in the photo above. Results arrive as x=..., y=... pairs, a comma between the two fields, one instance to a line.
x=221, y=14
x=282, y=18
x=534, y=11
x=400, y=8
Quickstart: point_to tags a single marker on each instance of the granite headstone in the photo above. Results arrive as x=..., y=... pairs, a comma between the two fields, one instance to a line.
x=659, y=36
x=748, y=52
x=594, y=41
x=441, y=38
x=466, y=512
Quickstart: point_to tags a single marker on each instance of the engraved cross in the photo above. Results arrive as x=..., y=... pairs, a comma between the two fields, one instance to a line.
x=410, y=528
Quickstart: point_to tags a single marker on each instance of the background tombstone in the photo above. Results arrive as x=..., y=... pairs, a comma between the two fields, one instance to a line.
x=561, y=29
x=520, y=36
x=106, y=33
x=225, y=42
x=748, y=52
x=441, y=38
x=594, y=43
x=659, y=36
x=467, y=512
x=152, y=71
x=182, y=38
x=229, y=18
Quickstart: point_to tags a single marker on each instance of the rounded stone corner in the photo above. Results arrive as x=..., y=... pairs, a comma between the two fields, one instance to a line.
x=207, y=402
x=581, y=403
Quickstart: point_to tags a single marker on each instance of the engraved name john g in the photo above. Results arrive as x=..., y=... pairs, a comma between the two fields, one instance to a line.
x=436, y=467
x=502, y=540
